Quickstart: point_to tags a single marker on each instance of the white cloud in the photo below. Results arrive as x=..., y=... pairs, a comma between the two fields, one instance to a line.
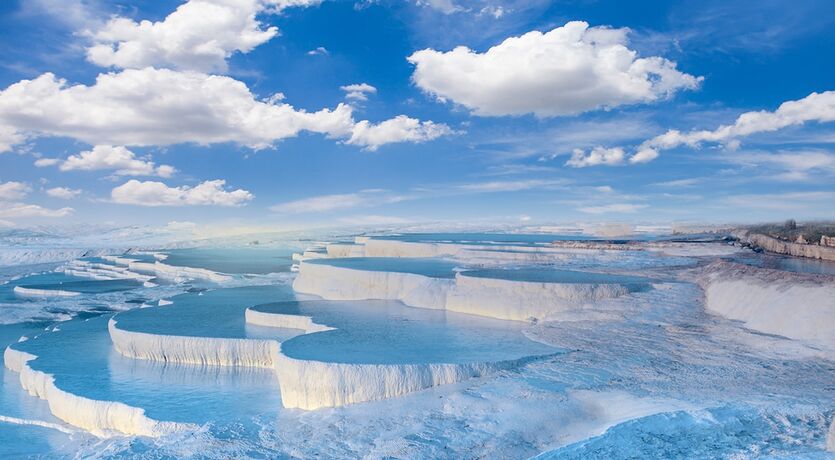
x=569, y=70
x=161, y=107
x=44, y=162
x=796, y=166
x=9, y=137
x=151, y=193
x=358, y=91
x=378, y=197
x=12, y=210
x=509, y=186
x=106, y=157
x=11, y=191
x=621, y=208
x=444, y=6
x=816, y=107
x=63, y=193
x=318, y=51
x=373, y=220
x=819, y=107
x=337, y=202
x=496, y=11
x=679, y=182
x=790, y=202
x=596, y=156
x=199, y=35
x=398, y=129
x=321, y=203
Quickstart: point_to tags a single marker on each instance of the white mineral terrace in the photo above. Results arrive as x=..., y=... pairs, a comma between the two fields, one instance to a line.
x=304, y=384
x=101, y=418
x=759, y=298
x=32, y=292
x=166, y=271
x=495, y=298
x=756, y=297
x=193, y=350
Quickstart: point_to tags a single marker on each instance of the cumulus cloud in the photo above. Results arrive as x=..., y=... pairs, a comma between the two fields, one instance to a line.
x=569, y=70
x=816, y=107
x=597, y=156
x=11, y=191
x=9, y=137
x=151, y=193
x=10, y=207
x=199, y=35
x=119, y=159
x=142, y=107
x=398, y=129
x=159, y=107
x=63, y=193
x=358, y=91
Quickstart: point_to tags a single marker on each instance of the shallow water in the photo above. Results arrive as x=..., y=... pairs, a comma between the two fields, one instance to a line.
x=550, y=275
x=435, y=268
x=523, y=239
x=258, y=261
x=388, y=332
x=787, y=263
x=214, y=313
x=646, y=375
x=81, y=359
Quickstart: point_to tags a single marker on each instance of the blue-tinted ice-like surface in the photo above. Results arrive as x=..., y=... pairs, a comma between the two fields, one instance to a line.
x=656, y=343
x=518, y=239
x=258, y=261
x=20, y=413
x=388, y=332
x=82, y=361
x=87, y=286
x=523, y=239
x=726, y=432
x=786, y=263
x=550, y=275
x=216, y=313
x=435, y=268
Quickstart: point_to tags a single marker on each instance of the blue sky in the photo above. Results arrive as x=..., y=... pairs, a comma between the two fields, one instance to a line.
x=569, y=124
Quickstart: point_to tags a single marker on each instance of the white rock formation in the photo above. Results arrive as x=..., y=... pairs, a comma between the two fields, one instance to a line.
x=522, y=300
x=100, y=271
x=193, y=350
x=30, y=292
x=308, y=384
x=313, y=384
x=812, y=251
x=337, y=283
x=170, y=272
x=503, y=299
x=101, y=418
x=10, y=256
x=280, y=320
x=345, y=250
x=793, y=305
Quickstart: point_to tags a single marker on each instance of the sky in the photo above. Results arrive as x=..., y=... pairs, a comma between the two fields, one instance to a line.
x=314, y=112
